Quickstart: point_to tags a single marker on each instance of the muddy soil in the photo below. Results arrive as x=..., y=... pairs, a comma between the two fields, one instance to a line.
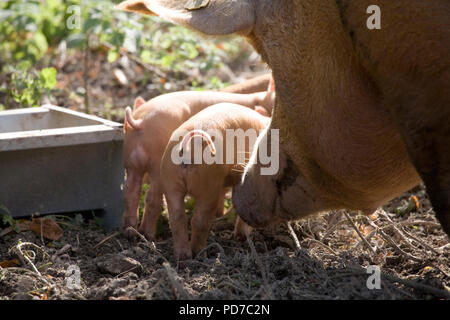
x=330, y=262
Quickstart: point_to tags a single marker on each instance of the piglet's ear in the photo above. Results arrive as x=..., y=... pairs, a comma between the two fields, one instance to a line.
x=271, y=85
x=262, y=111
x=212, y=17
x=138, y=102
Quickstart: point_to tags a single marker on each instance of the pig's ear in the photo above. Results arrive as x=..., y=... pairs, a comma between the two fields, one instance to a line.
x=212, y=17
x=138, y=102
x=135, y=6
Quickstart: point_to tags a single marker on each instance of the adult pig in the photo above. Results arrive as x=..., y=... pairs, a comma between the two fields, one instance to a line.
x=364, y=115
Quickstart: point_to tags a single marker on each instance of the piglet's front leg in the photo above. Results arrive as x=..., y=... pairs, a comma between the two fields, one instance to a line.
x=132, y=192
x=205, y=213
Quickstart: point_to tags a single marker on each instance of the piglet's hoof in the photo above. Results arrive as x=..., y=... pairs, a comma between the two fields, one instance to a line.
x=239, y=235
x=129, y=232
x=182, y=264
x=148, y=235
x=182, y=257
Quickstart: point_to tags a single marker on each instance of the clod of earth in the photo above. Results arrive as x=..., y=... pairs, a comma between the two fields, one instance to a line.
x=116, y=264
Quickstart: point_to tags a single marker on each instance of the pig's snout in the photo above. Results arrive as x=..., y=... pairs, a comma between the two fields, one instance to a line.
x=255, y=197
x=255, y=210
x=261, y=200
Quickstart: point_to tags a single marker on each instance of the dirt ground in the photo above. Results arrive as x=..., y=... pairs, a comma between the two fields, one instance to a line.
x=408, y=244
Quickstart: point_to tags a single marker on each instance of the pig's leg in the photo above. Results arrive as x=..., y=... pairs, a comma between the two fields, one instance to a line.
x=178, y=220
x=205, y=213
x=132, y=192
x=239, y=229
x=428, y=140
x=153, y=206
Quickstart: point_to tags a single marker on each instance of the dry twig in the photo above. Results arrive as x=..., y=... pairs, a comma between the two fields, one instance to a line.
x=115, y=234
x=322, y=244
x=392, y=243
x=214, y=244
x=333, y=227
x=364, y=240
x=17, y=250
x=171, y=275
x=294, y=236
x=150, y=245
x=422, y=243
x=419, y=286
x=259, y=263
x=420, y=223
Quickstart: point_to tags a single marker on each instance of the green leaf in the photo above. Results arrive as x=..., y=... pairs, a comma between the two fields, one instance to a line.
x=191, y=50
x=48, y=78
x=76, y=40
x=79, y=220
x=116, y=38
x=167, y=60
x=36, y=46
x=112, y=55
x=216, y=82
x=146, y=56
x=91, y=24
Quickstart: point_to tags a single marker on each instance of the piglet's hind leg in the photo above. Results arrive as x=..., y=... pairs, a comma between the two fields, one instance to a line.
x=178, y=220
x=205, y=213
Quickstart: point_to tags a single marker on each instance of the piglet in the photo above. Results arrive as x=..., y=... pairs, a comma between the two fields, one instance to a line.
x=257, y=84
x=147, y=131
x=207, y=178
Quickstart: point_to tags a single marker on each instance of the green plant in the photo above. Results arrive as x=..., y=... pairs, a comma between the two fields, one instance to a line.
x=35, y=30
x=29, y=27
x=27, y=30
x=7, y=218
x=27, y=85
x=173, y=49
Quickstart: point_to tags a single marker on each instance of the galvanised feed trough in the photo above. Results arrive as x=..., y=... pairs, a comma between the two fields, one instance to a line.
x=55, y=160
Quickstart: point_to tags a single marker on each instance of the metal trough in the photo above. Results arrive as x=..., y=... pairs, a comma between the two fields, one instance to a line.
x=54, y=160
